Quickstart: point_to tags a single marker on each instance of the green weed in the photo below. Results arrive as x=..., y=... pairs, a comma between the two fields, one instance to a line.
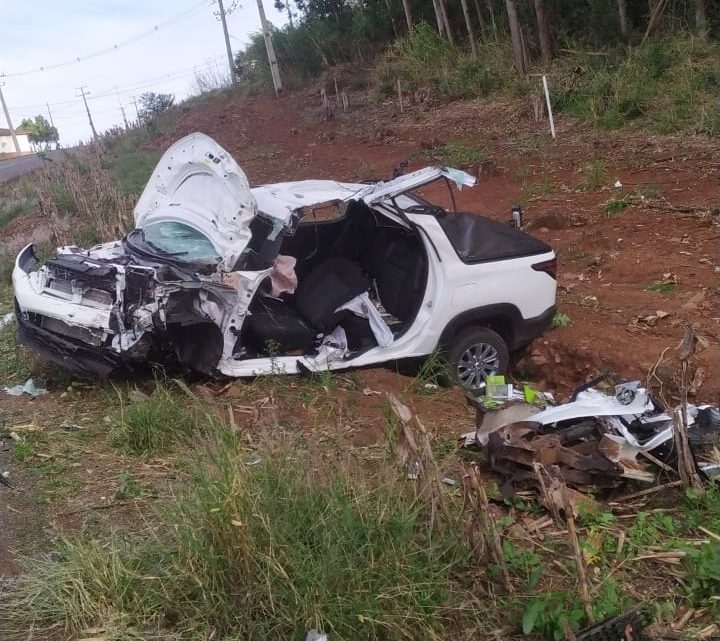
x=545, y=187
x=456, y=154
x=128, y=486
x=16, y=198
x=662, y=287
x=703, y=575
x=561, y=320
x=616, y=205
x=425, y=60
x=14, y=367
x=550, y=613
x=432, y=374
x=594, y=175
x=668, y=86
x=155, y=424
x=22, y=450
x=132, y=169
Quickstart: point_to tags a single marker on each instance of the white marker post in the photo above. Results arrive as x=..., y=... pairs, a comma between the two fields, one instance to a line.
x=549, y=106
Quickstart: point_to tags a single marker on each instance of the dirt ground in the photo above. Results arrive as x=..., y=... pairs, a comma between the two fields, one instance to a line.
x=608, y=260
x=659, y=229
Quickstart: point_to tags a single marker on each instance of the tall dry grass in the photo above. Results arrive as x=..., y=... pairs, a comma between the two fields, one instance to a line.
x=81, y=199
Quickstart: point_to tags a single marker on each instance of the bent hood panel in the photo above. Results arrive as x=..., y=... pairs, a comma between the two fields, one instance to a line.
x=199, y=184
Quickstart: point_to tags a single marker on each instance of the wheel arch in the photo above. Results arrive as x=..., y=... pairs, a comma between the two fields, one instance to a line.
x=502, y=318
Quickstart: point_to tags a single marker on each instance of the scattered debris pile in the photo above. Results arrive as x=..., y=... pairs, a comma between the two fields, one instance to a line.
x=594, y=440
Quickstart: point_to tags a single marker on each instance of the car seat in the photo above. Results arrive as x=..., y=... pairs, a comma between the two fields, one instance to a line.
x=397, y=263
x=297, y=323
x=331, y=284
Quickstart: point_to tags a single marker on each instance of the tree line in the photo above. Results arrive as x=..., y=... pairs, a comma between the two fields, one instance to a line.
x=323, y=33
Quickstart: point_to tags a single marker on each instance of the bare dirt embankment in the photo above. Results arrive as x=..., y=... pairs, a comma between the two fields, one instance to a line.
x=637, y=262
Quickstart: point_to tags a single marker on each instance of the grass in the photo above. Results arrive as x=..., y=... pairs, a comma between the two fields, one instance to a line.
x=153, y=424
x=131, y=170
x=265, y=551
x=14, y=366
x=544, y=187
x=666, y=86
x=456, y=154
x=661, y=287
x=425, y=60
x=17, y=197
x=594, y=175
x=432, y=374
x=616, y=205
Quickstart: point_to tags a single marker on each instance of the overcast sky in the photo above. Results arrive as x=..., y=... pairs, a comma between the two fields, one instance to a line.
x=41, y=33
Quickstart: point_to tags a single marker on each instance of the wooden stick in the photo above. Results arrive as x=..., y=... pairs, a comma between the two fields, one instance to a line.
x=489, y=524
x=577, y=554
x=656, y=461
x=712, y=535
x=400, y=98
x=650, y=490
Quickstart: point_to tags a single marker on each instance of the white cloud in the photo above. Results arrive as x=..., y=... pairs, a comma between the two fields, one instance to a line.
x=45, y=32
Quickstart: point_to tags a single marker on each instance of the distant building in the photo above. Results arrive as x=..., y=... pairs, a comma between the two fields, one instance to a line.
x=6, y=142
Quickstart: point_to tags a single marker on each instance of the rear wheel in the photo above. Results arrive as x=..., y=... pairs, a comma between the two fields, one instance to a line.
x=475, y=354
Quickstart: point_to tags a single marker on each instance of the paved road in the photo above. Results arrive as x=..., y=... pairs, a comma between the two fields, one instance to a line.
x=14, y=167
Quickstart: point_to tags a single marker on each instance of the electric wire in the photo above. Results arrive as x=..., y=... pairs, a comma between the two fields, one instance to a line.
x=174, y=20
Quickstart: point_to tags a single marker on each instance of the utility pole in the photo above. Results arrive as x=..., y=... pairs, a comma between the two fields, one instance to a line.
x=7, y=118
x=274, y=69
x=122, y=109
x=52, y=124
x=137, y=113
x=84, y=93
x=231, y=62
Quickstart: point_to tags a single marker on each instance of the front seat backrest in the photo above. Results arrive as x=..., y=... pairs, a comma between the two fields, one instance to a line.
x=331, y=284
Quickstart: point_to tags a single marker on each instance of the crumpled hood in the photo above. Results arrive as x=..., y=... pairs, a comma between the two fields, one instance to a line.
x=199, y=184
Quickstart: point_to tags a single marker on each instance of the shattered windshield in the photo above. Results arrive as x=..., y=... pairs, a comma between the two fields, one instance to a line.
x=180, y=240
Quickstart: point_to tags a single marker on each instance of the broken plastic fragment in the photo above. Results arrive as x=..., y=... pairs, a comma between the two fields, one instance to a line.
x=459, y=177
x=6, y=320
x=28, y=388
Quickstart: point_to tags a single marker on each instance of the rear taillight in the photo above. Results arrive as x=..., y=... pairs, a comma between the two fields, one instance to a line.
x=547, y=266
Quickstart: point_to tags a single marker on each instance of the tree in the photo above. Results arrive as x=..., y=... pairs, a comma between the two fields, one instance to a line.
x=408, y=15
x=543, y=34
x=622, y=10
x=446, y=21
x=40, y=131
x=153, y=104
x=280, y=6
x=469, y=27
x=516, y=36
x=701, y=23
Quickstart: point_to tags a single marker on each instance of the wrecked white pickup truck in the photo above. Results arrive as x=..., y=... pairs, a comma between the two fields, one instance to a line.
x=243, y=281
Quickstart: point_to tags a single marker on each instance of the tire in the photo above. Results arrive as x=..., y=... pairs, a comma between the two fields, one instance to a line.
x=484, y=344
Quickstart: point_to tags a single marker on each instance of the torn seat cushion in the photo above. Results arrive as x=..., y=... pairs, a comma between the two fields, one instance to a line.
x=331, y=284
x=275, y=326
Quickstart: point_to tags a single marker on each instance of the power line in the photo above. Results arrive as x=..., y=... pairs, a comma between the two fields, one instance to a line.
x=140, y=84
x=174, y=20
